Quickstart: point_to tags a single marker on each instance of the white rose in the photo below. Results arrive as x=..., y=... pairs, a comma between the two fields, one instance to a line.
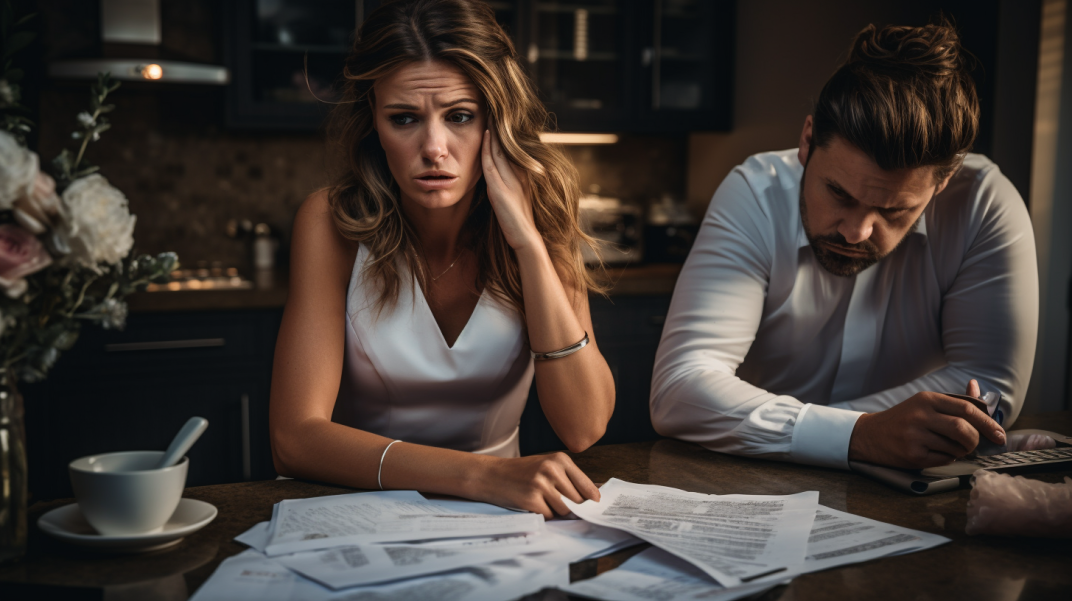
x=100, y=228
x=18, y=170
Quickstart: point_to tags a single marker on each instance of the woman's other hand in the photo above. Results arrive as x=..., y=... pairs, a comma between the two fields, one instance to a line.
x=509, y=193
x=535, y=484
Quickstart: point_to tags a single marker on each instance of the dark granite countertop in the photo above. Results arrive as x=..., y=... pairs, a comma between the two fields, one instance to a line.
x=270, y=291
x=979, y=568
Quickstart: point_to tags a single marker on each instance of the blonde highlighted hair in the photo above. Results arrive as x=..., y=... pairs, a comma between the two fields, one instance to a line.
x=365, y=204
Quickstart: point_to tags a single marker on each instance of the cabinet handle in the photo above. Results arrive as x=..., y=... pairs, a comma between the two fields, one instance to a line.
x=247, y=471
x=163, y=345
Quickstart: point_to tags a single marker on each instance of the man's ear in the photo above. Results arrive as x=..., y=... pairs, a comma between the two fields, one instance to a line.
x=805, y=141
x=942, y=184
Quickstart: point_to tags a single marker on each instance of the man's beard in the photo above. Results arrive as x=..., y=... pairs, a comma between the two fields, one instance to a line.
x=839, y=264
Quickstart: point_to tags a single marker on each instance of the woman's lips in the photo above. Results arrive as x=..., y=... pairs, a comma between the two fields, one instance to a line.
x=435, y=182
x=848, y=252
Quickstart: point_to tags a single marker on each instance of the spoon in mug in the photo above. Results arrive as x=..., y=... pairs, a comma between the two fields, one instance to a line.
x=187, y=436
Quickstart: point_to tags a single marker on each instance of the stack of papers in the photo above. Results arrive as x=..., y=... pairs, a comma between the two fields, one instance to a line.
x=399, y=545
x=722, y=547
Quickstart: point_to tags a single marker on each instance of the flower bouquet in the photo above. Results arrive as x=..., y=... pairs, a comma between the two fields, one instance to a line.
x=65, y=242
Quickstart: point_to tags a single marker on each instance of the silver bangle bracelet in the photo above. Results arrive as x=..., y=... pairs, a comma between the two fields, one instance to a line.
x=569, y=350
x=379, y=474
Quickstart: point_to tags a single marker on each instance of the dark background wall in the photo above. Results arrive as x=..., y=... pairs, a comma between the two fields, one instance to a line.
x=787, y=49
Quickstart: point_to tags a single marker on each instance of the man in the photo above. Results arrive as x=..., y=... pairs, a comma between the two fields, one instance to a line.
x=836, y=291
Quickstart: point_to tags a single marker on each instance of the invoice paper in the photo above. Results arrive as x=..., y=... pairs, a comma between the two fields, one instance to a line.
x=838, y=538
x=354, y=565
x=252, y=576
x=729, y=537
x=654, y=574
x=387, y=516
x=589, y=541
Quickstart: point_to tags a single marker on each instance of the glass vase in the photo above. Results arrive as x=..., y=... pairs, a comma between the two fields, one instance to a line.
x=12, y=473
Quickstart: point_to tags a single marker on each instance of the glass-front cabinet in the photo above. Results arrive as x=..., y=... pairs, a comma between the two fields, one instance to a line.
x=577, y=54
x=687, y=64
x=655, y=66
x=286, y=59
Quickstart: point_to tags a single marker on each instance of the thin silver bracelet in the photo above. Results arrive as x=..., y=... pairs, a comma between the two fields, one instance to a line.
x=380, y=472
x=569, y=350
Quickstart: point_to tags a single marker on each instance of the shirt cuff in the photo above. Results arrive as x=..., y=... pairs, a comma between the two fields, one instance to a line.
x=821, y=436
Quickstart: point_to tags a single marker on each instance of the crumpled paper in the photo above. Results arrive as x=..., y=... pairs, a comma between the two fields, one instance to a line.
x=1029, y=442
x=1016, y=506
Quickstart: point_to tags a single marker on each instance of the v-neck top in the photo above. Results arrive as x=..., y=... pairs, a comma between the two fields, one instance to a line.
x=401, y=380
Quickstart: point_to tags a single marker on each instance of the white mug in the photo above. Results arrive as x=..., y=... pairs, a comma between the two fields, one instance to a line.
x=123, y=493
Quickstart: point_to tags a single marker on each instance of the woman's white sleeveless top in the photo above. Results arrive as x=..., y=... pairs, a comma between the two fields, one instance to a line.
x=402, y=381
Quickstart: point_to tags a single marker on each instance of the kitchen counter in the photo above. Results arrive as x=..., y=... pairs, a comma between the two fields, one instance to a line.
x=979, y=568
x=270, y=291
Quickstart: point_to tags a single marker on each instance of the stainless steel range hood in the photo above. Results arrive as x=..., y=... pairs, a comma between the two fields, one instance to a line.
x=137, y=22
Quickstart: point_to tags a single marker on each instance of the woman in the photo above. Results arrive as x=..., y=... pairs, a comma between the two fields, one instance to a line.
x=424, y=276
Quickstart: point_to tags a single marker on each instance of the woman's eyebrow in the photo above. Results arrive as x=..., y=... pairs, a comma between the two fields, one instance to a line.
x=411, y=107
x=460, y=101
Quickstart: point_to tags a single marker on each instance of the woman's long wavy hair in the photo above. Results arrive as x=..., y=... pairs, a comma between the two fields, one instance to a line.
x=364, y=200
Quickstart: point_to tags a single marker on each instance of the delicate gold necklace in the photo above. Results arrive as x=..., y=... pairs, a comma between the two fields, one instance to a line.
x=448, y=268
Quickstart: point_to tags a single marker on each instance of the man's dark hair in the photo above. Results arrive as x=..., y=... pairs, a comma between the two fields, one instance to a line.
x=904, y=96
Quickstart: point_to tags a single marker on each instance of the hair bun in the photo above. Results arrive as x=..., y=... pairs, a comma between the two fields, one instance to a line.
x=932, y=49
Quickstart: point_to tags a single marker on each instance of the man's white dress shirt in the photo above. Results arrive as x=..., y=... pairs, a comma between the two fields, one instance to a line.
x=766, y=353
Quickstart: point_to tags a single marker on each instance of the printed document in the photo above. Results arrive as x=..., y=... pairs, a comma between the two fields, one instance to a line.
x=732, y=538
x=252, y=576
x=377, y=517
x=838, y=538
x=347, y=566
x=352, y=565
x=655, y=575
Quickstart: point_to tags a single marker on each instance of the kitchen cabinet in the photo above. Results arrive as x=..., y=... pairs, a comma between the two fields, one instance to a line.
x=632, y=66
x=272, y=45
x=133, y=389
x=629, y=66
x=627, y=329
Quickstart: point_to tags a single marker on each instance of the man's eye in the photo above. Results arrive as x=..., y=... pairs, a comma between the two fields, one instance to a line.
x=460, y=118
x=402, y=119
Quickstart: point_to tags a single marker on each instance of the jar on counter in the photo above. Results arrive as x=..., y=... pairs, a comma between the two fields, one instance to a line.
x=265, y=246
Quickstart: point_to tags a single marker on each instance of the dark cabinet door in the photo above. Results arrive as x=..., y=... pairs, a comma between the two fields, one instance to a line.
x=110, y=415
x=133, y=390
x=580, y=56
x=640, y=66
x=286, y=59
x=627, y=329
x=686, y=65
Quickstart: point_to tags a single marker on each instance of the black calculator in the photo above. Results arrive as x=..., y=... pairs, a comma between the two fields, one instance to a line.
x=1055, y=459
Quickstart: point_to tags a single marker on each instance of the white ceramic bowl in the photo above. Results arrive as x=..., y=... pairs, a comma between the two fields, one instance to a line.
x=123, y=493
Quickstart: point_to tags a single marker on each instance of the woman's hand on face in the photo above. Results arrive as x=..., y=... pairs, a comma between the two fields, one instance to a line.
x=536, y=484
x=509, y=193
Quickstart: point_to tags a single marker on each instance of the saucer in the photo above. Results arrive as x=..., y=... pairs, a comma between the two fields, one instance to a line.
x=67, y=524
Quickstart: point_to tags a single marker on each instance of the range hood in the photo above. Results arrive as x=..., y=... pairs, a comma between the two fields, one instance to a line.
x=136, y=22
